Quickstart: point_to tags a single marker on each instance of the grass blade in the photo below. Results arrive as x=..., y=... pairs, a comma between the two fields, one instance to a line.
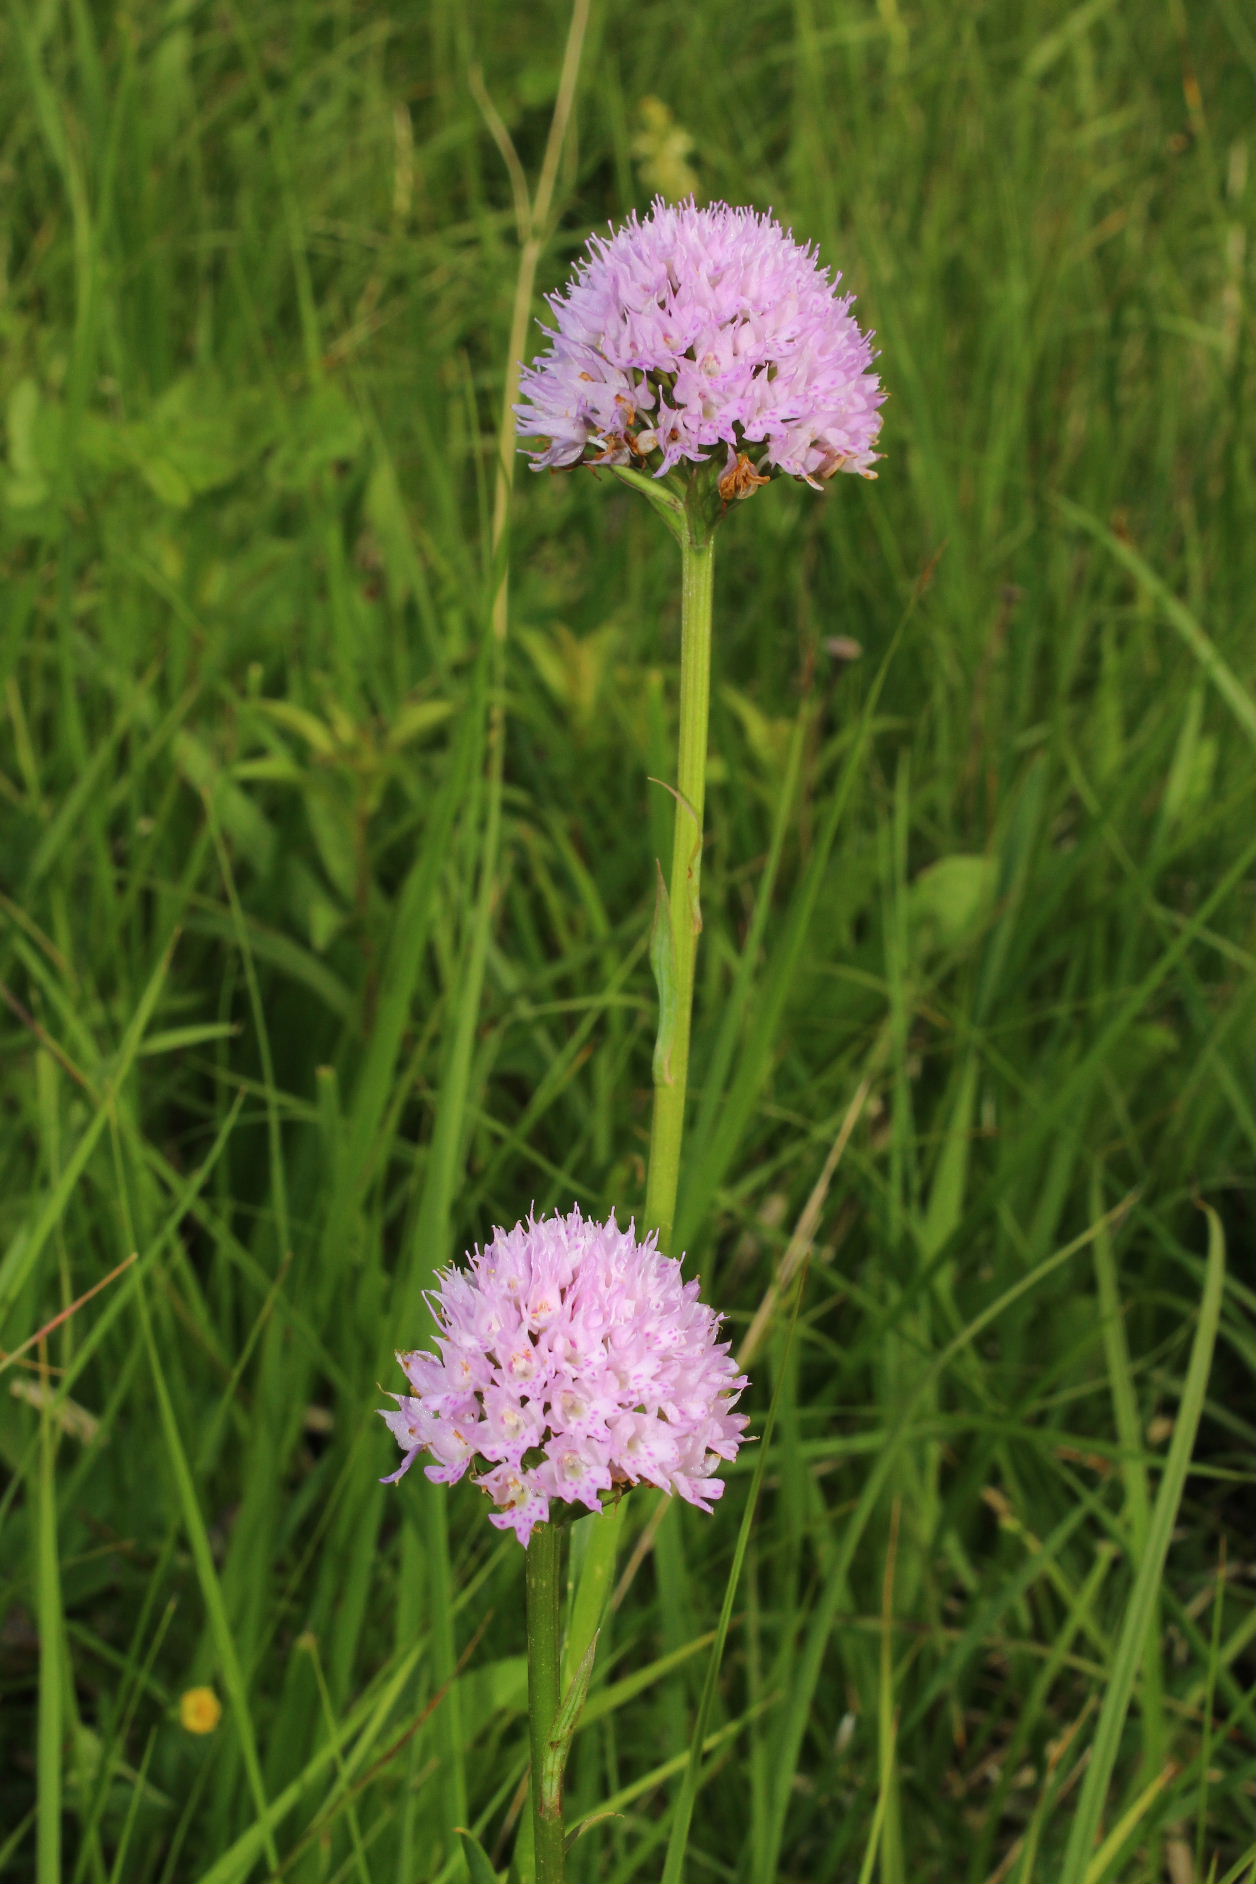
x=1131, y=1644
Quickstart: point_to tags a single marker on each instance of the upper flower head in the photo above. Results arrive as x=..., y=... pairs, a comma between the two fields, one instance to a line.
x=700, y=331
x=572, y=1359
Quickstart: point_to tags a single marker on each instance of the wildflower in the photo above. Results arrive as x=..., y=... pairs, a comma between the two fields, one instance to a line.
x=200, y=1710
x=704, y=332
x=572, y=1361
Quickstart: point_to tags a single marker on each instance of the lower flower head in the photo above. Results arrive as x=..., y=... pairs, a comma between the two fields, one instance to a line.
x=572, y=1360
x=703, y=333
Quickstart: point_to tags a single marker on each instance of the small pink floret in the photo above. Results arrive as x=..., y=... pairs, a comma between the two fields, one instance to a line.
x=572, y=1359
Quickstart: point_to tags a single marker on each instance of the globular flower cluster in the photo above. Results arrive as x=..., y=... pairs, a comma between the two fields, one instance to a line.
x=701, y=332
x=572, y=1360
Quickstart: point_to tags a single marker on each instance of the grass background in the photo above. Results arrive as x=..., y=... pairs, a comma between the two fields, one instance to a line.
x=297, y=1006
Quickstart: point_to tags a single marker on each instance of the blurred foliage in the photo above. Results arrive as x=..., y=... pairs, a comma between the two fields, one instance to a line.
x=977, y=868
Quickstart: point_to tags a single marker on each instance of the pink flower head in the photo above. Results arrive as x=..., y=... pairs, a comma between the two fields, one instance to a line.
x=572, y=1360
x=704, y=331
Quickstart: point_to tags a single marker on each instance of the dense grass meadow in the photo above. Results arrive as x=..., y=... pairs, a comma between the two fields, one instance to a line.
x=327, y=863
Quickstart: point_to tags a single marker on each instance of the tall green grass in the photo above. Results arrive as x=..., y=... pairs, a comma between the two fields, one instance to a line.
x=297, y=1004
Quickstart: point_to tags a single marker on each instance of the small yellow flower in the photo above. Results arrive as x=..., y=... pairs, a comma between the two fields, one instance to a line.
x=200, y=1710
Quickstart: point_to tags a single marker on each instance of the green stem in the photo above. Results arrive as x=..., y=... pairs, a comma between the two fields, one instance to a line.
x=543, y=1592
x=683, y=913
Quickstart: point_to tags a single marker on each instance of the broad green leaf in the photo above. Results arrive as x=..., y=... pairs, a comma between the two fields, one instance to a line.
x=949, y=901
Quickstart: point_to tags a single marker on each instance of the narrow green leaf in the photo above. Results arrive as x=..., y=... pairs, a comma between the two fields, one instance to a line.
x=52, y=1663
x=28, y=1243
x=210, y=1587
x=1095, y=1803
x=479, y=1867
x=555, y=1764
x=668, y=503
x=682, y=1817
x=663, y=962
x=1215, y=666
x=366, y=1722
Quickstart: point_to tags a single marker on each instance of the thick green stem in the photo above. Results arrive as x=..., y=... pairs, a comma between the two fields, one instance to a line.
x=682, y=914
x=543, y=1589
